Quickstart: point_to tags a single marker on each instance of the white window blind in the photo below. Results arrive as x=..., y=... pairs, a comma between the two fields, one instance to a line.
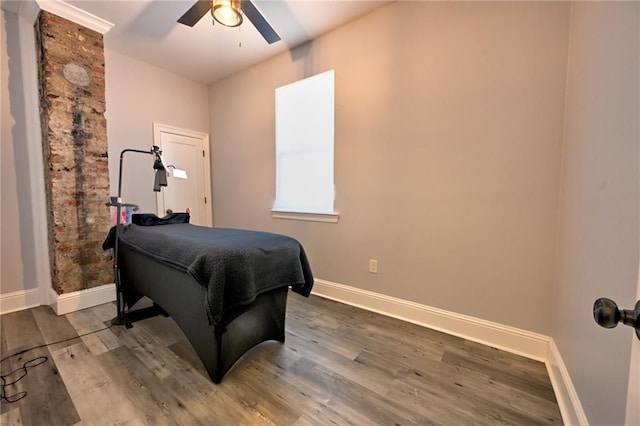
x=304, y=145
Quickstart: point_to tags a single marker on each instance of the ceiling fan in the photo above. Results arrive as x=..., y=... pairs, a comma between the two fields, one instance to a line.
x=229, y=13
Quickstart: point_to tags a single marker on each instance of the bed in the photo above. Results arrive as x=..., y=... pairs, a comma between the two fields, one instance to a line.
x=225, y=288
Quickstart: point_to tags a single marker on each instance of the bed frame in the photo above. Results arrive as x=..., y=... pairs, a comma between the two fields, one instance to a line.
x=183, y=298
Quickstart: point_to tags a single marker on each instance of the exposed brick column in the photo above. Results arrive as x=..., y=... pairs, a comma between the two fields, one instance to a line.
x=74, y=138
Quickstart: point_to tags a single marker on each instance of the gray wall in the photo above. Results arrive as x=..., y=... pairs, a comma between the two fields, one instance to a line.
x=16, y=230
x=598, y=232
x=138, y=95
x=447, y=153
x=11, y=272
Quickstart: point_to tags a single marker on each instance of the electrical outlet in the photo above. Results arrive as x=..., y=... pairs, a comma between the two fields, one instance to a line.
x=373, y=266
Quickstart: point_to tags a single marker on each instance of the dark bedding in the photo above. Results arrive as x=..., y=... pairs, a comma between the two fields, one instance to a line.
x=234, y=265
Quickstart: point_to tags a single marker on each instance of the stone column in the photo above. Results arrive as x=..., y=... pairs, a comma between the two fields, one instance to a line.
x=74, y=138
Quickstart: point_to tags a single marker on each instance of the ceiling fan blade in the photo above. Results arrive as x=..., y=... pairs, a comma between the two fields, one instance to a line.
x=259, y=22
x=195, y=13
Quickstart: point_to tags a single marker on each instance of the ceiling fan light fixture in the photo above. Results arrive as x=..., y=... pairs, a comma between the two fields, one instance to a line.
x=227, y=12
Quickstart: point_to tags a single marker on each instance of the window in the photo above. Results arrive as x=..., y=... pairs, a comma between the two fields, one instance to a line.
x=304, y=146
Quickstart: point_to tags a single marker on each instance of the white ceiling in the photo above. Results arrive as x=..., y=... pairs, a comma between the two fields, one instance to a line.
x=148, y=31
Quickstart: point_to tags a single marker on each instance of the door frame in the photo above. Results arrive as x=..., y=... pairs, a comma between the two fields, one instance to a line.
x=632, y=414
x=158, y=129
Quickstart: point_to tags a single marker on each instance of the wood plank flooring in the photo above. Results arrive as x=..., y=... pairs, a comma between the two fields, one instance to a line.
x=339, y=365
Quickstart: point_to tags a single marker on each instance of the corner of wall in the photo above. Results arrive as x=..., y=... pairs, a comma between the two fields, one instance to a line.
x=517, y=341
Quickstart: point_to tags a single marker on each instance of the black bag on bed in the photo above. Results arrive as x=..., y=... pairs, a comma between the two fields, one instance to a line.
x=150, y=219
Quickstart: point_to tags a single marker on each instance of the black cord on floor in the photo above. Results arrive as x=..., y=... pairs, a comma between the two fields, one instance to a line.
x=34, y=362
x=18, y=396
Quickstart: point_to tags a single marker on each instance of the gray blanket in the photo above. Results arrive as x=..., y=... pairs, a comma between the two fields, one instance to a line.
x=234, y=265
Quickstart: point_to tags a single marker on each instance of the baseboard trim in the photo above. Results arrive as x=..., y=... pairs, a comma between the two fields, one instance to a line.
x=566, y=395
x=83, y=299
x=510, y=339
x=521, y=342
x=19, y=300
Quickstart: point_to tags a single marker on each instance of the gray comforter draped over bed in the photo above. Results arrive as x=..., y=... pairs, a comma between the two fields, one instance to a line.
x=234, y=265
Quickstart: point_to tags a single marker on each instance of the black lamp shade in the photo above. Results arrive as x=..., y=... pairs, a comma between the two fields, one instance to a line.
x=161, y=175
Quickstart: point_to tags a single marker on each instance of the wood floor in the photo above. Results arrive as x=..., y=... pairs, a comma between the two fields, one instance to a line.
x=339, y=365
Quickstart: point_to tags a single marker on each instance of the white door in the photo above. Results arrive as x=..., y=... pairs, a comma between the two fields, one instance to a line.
x=188, y=151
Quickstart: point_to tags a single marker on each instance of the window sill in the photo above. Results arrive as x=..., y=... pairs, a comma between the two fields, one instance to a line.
x=309, y=217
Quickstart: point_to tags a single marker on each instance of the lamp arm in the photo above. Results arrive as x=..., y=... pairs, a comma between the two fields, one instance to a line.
x=150, y=152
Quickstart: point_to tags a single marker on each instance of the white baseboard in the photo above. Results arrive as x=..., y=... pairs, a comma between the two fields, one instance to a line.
x=510, y=339
x=19, y=300
x=83, y=299
x=566, y=395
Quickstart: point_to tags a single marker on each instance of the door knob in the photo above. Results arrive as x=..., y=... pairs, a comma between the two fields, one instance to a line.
x=607, y=314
